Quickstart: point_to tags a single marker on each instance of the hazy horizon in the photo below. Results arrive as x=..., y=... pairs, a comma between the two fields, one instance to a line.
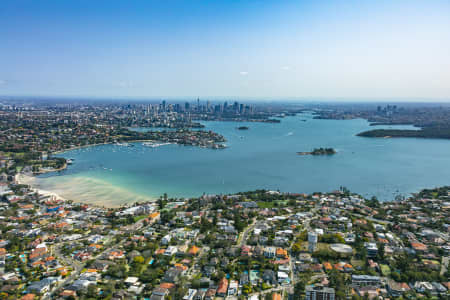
x=215, y=100
x=349, y=51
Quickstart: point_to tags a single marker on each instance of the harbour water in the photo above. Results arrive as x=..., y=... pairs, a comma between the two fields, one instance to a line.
x=262, y=157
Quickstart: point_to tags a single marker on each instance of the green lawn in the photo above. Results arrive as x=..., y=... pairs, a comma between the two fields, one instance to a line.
x=271, y=204
x=320, y=246
x=137, y=218
x=385, y=270
x=265, y=204
x=323, y=246
x=357, y=263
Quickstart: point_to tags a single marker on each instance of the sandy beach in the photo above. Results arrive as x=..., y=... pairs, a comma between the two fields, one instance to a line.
x=30, y=180
x=83, y=189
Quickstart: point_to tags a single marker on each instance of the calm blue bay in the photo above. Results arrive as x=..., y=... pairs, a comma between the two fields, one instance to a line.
x=262, y=157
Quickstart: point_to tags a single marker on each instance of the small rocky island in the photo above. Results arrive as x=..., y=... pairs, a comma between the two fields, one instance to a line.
x=243, y=128
x=319, y=151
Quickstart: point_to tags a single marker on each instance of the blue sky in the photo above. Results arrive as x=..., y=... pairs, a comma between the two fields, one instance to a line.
x=247, y=49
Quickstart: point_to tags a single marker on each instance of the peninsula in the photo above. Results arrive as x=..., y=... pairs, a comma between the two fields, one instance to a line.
x=432, y=121
x=31, y=133
x=437, y=133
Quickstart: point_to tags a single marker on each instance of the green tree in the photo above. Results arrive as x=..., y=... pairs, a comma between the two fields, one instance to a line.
x=139, y=260
x=91, y=291
x=247, y=289
x=297, y=248
x=299, y=290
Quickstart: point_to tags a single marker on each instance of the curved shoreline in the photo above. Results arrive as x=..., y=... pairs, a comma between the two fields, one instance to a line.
x=83, y=193
x=45, y=171
x=382, y=190
x=79, y=147
x=28, y=179
x=22, y=178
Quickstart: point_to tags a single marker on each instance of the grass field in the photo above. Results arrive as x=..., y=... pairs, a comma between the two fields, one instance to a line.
x=272, y=204
x=385, y=270
x=320, y=246
x=137, y=218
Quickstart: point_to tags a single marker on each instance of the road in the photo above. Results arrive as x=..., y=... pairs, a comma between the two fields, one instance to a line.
x=384, y=222
x=281, y=289
x=77, y=267
x=445, y=263
x=243, y=237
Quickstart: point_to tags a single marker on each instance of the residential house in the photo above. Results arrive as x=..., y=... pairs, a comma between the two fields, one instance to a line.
x=269, y=277
x=223, y=288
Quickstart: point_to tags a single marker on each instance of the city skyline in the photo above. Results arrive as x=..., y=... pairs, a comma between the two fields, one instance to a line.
x=267, y=50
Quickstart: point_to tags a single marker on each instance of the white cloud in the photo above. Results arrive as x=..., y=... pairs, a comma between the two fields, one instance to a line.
x=243, y=73
x=285, y=68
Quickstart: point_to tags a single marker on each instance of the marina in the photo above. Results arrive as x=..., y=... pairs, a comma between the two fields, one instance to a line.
x=154, y=144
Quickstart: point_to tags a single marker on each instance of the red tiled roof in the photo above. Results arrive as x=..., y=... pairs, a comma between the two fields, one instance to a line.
x=167, y=285
x=419, y=246
x=223, y=286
